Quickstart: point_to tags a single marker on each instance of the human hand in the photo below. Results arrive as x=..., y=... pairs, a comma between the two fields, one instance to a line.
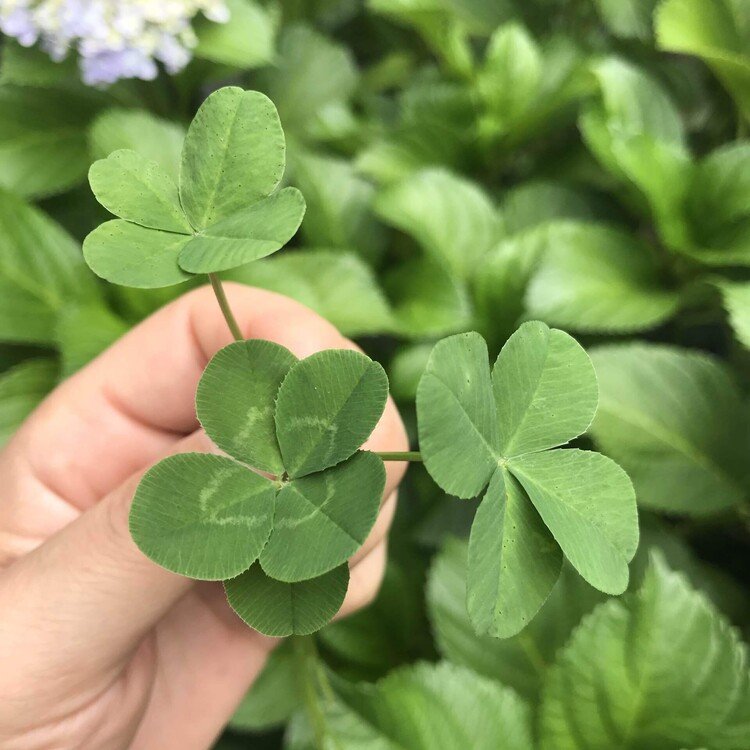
x=99, y=646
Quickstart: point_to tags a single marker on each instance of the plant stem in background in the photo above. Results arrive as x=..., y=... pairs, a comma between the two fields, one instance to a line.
x=307, y=662
x=399, y=455
x=226, y=310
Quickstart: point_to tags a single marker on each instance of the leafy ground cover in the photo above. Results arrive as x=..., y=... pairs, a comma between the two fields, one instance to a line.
x=535, y=218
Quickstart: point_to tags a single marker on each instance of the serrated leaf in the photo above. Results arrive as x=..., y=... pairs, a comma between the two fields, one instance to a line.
x=545, y=390
x=202, y=516
x=131, y=255
x=337, y=285
x=138, y=130
x=254, y=232
x=246, y=40
x=327, y=407
x=236, y=398
x=588, y=503
x=428, y=706
x=676, y=422
x=323, y=519
x=41, y=271
x=451, y=218
x=233, y=155
x=663, y=670
x=594, y=278
x=280, y=609
x=137, y=189
x=21, y=389
x=713, y=30
x=513, y=560
x=458, y=428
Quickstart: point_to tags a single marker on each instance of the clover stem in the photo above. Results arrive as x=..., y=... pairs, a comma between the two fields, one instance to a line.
x=226, y=310
x=399, y=455
x=306, y=658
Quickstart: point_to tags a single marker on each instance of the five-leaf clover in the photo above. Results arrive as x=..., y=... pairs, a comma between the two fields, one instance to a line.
x=280, y=541
x=225, y=212
x=500, y=430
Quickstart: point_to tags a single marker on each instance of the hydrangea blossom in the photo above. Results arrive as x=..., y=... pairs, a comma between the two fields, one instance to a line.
x=114, y=38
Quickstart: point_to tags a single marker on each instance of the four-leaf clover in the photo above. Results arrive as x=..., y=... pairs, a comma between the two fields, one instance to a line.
x=279, y=542
x=500, y=430
x=225, y=212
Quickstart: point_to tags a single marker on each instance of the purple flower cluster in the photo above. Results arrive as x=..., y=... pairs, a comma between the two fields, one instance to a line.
x=114, y=38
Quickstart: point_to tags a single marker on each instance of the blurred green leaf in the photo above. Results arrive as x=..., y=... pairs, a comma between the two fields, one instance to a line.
x=594, y=278
x=43, y=139
x=138, y=130
x=714, y=30
x=637, y=134
x=246, y=40
x=736, y=297
x=630, y=19
x=676, y=422
x=313, y=74
x=451, y=218
x=339, y=202
x=426, y=300
x=85, y=331
x=41, y=271
x=21, y=389
x=338, y=285
x=274, y=696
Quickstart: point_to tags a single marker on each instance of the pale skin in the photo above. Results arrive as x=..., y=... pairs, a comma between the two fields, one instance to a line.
x=99, y=646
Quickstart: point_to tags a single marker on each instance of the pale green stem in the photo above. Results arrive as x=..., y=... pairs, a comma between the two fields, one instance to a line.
x=226, y=310
x=306, y=659
x=399, y=455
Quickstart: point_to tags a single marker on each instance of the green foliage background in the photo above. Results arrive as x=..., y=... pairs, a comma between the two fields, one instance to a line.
x=467, y=165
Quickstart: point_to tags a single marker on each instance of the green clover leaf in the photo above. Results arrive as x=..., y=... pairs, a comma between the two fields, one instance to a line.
x=225, y=212
x=495, y=429
x=211, y=517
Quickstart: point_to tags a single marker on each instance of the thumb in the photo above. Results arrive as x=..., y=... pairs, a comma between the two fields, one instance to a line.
x=80, y=603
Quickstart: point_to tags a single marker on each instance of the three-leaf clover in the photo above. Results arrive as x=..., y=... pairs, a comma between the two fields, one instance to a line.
x=225, y=212
x=211, y=517
x=500, y=430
